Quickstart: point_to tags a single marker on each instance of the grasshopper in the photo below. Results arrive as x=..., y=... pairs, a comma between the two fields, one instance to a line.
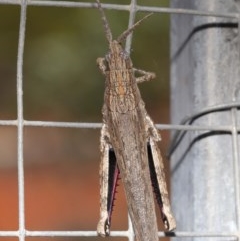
x=128, y=144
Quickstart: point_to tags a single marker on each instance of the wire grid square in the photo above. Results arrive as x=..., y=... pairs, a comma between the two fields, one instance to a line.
x=22, y=232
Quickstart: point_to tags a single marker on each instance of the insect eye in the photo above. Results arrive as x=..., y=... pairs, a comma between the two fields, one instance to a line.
x=108, y=56
x=124, y=55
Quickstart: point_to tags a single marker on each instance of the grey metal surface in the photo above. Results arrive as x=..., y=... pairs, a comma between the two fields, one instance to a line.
x=204, y=73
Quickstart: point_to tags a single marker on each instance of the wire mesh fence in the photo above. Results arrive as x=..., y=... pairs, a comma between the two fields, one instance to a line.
x=185, y=126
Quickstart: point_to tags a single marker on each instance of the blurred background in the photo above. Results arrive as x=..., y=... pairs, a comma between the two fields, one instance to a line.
x=62, y=83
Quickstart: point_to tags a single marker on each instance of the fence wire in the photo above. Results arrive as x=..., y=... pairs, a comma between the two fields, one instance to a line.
x=186, y=125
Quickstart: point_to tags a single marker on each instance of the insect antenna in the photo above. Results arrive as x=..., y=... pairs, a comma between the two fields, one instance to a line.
x=124, y=35
x=105, y=22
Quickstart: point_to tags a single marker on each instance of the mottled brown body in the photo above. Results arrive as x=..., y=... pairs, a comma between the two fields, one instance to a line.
x=127, y=129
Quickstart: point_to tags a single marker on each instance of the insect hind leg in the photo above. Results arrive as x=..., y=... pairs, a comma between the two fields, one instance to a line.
x=109, y=174
x=159, y=184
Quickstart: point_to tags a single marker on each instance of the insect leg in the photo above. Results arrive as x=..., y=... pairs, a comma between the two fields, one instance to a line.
x=158, y=177
x=146, y=76
x=108, y=180
x=101, y=63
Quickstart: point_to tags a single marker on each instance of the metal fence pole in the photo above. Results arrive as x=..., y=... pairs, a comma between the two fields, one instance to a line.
x=205, y=72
